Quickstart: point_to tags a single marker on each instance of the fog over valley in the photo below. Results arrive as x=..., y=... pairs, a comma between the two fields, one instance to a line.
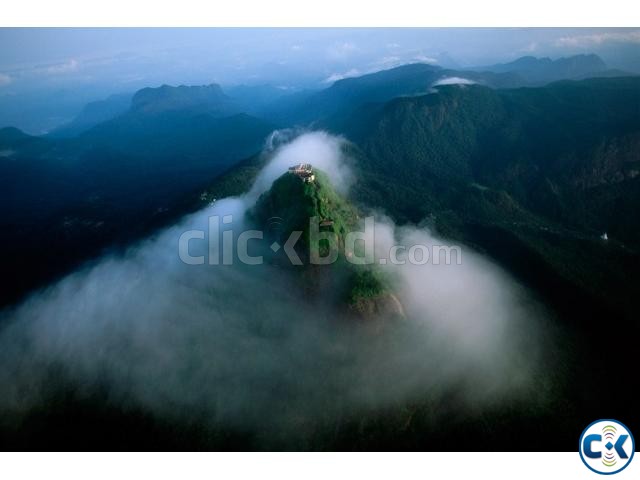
x=242, y=347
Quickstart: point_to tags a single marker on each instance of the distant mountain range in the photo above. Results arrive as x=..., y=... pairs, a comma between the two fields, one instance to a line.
x=280, y=106
x=93, y=114
x=115, y=180
x=544, y=70
x=205, y=99
x=406, y=80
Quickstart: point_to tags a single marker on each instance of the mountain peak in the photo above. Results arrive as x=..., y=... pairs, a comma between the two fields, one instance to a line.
x=10, y=136
x=390, y=74
x=299, y=195
x=201, y=98
x=303, y=200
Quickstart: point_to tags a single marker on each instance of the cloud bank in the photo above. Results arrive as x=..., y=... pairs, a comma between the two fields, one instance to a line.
x=453, y=81
x=241, y=347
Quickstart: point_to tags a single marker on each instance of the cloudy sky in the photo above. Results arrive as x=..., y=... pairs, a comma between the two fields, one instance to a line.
x=81, y=65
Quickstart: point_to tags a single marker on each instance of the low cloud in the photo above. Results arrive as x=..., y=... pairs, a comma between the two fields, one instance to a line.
x=69, y=66
x=334, y=77
x=4, y=79
x=425, y=59
x=385, y=63
x=243, y=347
x=453, y=81
x=291, y=147
x=389, y=61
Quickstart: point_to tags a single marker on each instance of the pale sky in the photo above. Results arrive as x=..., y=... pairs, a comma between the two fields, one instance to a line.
x=65, y=67
x=230, y=55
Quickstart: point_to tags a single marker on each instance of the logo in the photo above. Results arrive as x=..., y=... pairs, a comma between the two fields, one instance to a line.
x=606, y=447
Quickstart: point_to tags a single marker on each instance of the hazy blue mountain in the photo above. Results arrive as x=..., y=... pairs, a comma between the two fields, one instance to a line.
x=94, y=113
x=344, y=95
x=254, y=99
x=208, y=99
x=186, y=135
x=11, y=137
x=196, y=124
x=117, y=180
x=376, y=87
x=544, y=70
x=334, y=103
x=406, y=80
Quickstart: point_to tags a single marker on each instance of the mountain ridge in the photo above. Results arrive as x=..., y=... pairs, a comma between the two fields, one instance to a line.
x=541, y=70
x=197, y=98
